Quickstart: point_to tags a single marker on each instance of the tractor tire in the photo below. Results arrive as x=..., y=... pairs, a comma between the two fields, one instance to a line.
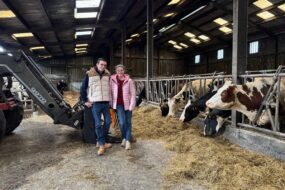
x=88, y=130
x=2, y=125
x=13, y=118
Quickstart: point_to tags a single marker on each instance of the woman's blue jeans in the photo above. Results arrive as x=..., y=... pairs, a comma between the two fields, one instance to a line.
x=98, y=109
x=125, y=121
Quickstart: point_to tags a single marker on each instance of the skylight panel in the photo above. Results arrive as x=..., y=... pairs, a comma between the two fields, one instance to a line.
x=225, y=29
x=265, y=15
x=84, y=14
x=183, y=45
x=189, y=34
x=262, y=4
x=196, y=41
x=87, y=3
x=204, y=37
x=7, y=14
x=22, y=35
x=220, y=21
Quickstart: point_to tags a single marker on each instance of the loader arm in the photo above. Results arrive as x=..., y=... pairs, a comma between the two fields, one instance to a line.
x=41, y=90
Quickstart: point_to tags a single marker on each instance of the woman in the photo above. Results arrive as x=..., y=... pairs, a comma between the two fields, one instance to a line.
x=123, y=99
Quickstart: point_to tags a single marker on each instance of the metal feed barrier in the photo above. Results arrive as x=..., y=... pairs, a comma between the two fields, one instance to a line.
x=166, y=87
x=161, y=88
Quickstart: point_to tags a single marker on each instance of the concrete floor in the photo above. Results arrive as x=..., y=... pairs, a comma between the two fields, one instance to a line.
x=40, y=155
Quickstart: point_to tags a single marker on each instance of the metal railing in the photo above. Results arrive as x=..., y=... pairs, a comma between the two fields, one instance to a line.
x=164, y=87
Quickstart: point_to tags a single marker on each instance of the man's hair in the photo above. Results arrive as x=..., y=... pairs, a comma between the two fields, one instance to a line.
x=101, y=59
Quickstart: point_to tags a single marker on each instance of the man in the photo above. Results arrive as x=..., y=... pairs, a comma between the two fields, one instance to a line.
x=95, y=92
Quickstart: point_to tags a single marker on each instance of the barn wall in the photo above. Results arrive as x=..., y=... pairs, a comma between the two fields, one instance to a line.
x=165, y=62
x=267, y=58
x=71, y=70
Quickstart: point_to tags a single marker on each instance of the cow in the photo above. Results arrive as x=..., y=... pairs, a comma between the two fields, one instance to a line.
x=164, y=107
x=174, y=102
x=214, y=121
x=140, y=92
x=246, y=98
x=179, y=100
x=140, y=97
x=192, y=110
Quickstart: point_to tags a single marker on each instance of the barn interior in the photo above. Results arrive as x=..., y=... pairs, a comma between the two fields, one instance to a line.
x=153, y=39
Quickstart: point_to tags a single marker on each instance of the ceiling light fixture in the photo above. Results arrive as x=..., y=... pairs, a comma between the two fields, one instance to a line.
x=168, y=14
x=80, y=52
x=173, y=2
x=37, y=48
x=262, y=4
x=282, y=7
x=189, y=34
x=135, y=35
x=225, y=29
x=172, y=42
x=7, y=14
x=87, y=3
x=196, y=41
x=220, y=21
x=81, y=45
x=82, y=33
x=265, y=15
x=80, y=49
x=203, y=37
x=128, y=40
x=22, y=35
x=84, y=14
x=184, y=45
x=177, y=47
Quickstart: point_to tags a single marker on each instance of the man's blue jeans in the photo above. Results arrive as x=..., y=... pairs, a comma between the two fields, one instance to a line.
x=98, y=109
x=125, y=121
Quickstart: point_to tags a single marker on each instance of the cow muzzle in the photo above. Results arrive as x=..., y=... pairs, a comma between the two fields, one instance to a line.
x=210, y=126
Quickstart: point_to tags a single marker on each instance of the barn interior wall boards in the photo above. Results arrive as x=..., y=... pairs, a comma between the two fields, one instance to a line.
x=165, y=62
x=71, y=70
x=269, y=56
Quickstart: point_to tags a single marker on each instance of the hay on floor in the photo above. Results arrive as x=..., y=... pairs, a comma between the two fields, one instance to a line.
x=212, y=162
x=71, y=97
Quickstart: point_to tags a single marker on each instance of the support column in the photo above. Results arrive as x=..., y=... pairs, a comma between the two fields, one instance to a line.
x=111, y=48
x=123, y=44
x=239, y=55
x=149, y=55
x=276, y=53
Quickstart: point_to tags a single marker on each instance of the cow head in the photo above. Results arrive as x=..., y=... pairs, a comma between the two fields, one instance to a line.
x=214, y=121
x=174, y=105
x=224, y=98
x=164, y=107
x=191, y=112
x=213, y=125
x=140, y=97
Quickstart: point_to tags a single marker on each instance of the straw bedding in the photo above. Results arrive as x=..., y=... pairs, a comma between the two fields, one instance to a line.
x=211, y=162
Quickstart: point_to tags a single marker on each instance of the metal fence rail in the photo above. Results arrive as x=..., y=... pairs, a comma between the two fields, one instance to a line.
x=164, y=87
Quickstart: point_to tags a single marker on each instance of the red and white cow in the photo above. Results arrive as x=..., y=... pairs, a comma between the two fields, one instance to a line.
x=246, y=98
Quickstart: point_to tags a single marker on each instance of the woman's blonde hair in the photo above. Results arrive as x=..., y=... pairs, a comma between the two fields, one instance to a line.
x=120, y=65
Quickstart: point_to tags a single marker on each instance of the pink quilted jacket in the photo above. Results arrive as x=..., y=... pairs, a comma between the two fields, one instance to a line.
x=129, y=92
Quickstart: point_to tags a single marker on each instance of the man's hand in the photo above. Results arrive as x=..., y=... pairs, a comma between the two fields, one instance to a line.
x=88, y=104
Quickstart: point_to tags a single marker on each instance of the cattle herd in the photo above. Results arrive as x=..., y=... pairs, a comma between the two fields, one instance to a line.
x=221, y=97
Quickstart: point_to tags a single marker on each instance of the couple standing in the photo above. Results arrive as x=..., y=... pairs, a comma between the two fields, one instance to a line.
x=99, y=91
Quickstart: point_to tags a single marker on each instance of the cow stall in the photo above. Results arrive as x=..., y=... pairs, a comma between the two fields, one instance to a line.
x=247, y=133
